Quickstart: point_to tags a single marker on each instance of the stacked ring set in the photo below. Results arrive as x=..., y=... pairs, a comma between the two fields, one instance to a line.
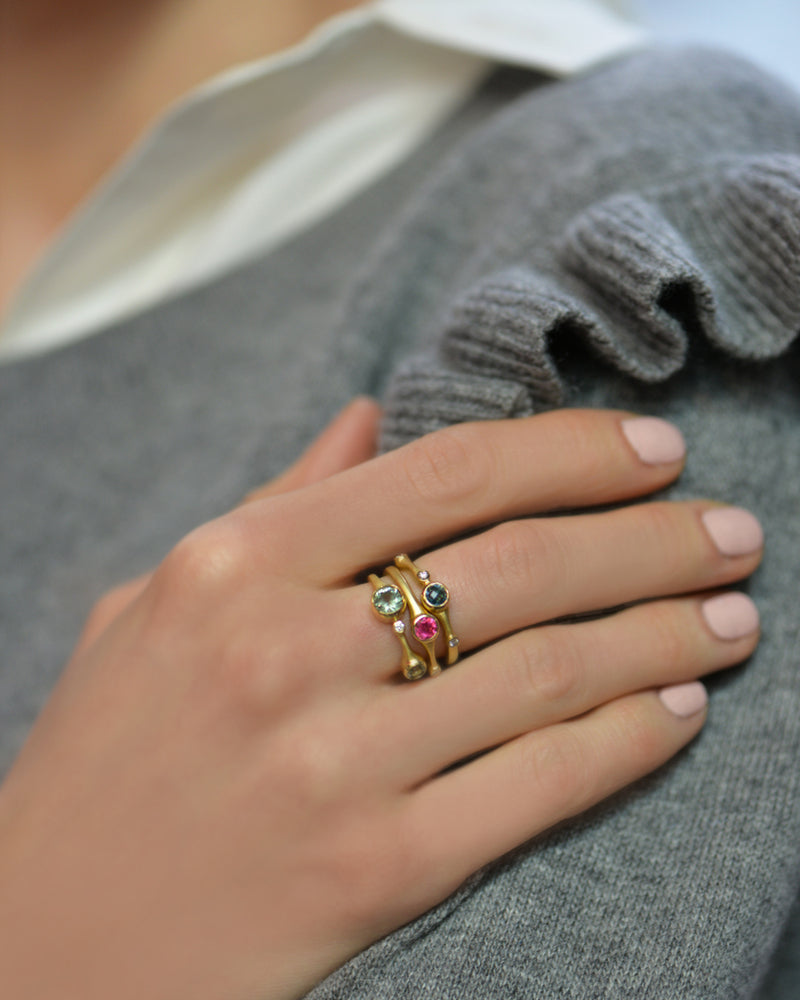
x=427, y=610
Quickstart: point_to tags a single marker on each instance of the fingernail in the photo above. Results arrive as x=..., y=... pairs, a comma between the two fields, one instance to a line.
x=731, y=616
x=655, y=441
x=684, y=700
x=734, y=531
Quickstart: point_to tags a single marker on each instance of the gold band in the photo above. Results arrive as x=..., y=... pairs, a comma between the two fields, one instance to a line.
x=413, y=667
x=424, y=627
x=436, y=599
x=428, y=613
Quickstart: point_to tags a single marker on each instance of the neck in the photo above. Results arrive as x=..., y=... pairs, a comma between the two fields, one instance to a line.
x=81, y=80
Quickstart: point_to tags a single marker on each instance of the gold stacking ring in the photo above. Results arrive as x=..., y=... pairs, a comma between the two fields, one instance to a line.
x=428, y=613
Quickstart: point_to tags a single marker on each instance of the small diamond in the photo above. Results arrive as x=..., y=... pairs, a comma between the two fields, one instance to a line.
x=425, y=628
x=435, y=595
x=423, y=575
x=399, y=627
x=452, y=642
x=388, y=601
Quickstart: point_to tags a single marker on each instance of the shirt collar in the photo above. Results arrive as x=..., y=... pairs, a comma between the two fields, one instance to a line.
x=556, y=36
x=169, y=217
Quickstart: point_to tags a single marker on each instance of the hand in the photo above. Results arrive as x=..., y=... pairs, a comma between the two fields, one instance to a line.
x=350, y=438
x=230, y=792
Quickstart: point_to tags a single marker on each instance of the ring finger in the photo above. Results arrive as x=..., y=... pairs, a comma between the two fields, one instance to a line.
x=523, y=573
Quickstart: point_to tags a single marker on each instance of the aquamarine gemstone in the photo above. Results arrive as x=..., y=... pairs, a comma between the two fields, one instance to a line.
x=388, y=601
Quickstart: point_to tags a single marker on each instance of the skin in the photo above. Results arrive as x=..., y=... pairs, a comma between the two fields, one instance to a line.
x=80, y=81
x=231, y=757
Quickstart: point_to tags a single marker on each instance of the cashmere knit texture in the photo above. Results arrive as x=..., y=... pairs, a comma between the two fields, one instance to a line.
x=638, y=245
x=628, y=238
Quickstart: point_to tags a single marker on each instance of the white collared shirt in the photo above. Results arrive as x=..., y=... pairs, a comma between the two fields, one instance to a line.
x=259, y=153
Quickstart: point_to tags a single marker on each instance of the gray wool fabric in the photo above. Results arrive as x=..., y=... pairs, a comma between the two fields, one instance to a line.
x=630, y=238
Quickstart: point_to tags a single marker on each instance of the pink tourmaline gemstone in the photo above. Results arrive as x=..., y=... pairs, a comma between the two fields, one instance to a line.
x=425, y=627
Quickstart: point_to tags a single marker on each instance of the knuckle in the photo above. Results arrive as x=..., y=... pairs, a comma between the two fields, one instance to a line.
x=272, y=661
x=665, y=520
x=578, y=435
x=586, y=436
x=665, y=529
x=516, y=559
x=637, y=739
x=205, y=563
x=449, y=466
x=254, y=680
x=667, y=638
x=561, y=767
x=546, y=670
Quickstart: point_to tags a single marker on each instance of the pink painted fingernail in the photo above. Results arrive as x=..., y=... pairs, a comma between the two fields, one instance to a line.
x=734, y=531
x=655, y=441
x=731, y=616
x=684, y=700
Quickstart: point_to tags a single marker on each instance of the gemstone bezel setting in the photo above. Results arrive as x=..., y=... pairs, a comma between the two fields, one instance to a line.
x=435, y=596
x=425, y=628
x=388, y=601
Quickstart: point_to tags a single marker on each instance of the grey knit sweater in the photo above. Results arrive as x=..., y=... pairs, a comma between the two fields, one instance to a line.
x=629, y=238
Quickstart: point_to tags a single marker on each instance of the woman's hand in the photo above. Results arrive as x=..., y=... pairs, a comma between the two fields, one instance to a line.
x=231, y=791
x=349, y=439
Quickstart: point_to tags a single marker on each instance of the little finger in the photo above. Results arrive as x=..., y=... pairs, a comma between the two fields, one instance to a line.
x=472, y=815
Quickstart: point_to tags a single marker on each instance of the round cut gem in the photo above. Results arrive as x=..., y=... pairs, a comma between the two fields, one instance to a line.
x=435, y=595
x=388, y=601
x=423, y=574
x=399, y=627
x=425, y=627
x=453, y=642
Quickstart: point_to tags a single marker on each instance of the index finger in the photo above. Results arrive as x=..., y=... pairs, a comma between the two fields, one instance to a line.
x=469, y=475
